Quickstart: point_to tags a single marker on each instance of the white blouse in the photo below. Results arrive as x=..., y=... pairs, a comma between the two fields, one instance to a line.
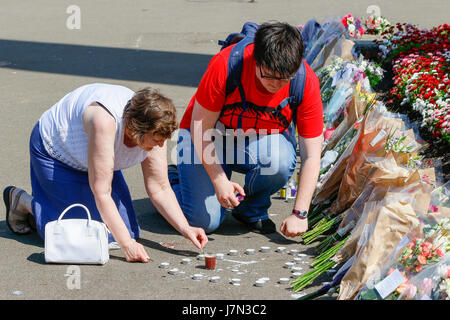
x=61, y=126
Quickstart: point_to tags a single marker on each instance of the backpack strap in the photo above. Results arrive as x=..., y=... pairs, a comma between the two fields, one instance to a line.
x=296, y=89
x=248, y=30
x=235, y=65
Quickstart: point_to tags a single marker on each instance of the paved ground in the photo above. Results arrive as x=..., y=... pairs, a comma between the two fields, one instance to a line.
x=166, y=44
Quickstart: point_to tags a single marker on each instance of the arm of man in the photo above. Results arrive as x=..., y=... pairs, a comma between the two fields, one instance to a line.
x=154, y=170
x=101, y=129
x=203, y=121
x=310, y=151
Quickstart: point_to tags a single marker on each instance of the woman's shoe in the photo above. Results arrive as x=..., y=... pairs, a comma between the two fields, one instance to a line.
x=14, y=217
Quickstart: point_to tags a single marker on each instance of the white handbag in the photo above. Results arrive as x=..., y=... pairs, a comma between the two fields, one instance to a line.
x=76, y=241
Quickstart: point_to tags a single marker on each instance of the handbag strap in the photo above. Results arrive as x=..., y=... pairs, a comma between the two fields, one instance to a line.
x=75, y=205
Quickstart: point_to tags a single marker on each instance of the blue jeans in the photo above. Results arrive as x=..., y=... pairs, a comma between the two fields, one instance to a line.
x=268, y=161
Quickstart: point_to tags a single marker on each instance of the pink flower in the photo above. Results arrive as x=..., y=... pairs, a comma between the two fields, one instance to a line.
x=433, y=208
x=327, y=134
x=410, y=291
x=422, y=259
x=439, y=252
x=426, y=286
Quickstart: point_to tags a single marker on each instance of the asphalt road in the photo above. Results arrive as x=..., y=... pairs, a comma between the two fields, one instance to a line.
x=164, y=44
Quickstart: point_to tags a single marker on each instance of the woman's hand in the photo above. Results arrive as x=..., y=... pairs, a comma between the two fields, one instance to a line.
x=134, y=251
x=196, y=235
x=226, y=193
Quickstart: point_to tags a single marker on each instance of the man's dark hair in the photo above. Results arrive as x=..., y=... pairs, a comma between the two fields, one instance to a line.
x=278, y=48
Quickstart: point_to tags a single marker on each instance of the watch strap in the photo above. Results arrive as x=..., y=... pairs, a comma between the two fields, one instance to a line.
x=302, y=214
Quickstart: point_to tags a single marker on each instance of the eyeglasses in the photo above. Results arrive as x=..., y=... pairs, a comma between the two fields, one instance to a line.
x=275, y=78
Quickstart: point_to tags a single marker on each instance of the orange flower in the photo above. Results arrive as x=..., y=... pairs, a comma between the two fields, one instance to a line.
x=401, y=287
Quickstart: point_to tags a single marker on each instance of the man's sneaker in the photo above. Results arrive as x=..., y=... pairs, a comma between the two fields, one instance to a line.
x=261, y=226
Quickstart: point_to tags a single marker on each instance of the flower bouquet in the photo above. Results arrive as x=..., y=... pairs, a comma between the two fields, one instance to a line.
x=380, y=233
x=354, y=113
x=413, y=258
x=376, y=25
x=442, y=290
x=387, y=175
x=353, y=26
x=324, y=40
x=420, y=248
x=370, y=147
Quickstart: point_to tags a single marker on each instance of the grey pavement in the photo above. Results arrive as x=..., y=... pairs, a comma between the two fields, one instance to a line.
x=164, y=44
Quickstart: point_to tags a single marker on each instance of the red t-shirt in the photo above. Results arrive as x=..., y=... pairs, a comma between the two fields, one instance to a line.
x=211, y=95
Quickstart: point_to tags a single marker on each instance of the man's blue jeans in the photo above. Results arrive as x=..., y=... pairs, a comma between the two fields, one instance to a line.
x=268, y=161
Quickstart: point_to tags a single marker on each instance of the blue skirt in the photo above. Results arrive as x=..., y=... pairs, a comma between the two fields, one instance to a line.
x=56, y=185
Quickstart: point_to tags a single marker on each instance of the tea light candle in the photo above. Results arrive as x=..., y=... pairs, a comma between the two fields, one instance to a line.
x=296, y=275
x=264, y=249
x=197, y=276
x=236, y=281
x=283, y=280
x=186, y=261
x=219, y=256
x=293, y=252
x=164, y=265
x=288, y=265
x=250, y=251
x=302, y=255
x=260, y=283
x=281, y=249
x=298, y=260
x=214, y=279
x=201, y=257
x=233, y=252
x=174, y=271
x=294, y=269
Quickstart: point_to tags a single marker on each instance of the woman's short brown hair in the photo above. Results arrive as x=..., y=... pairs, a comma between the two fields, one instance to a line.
x=150, y=111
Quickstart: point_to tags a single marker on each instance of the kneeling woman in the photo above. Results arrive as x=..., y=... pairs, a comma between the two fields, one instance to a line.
x=78, y=150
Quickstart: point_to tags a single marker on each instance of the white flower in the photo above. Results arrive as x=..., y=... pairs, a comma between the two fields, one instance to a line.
x=351, y=28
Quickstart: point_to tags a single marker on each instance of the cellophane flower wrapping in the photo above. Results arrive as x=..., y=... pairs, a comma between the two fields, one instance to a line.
x=415, y=256
x=354, y=113
x=421, y=247
x=396, y=217
x=387, y=174
x=331, y=30
x=370, y=145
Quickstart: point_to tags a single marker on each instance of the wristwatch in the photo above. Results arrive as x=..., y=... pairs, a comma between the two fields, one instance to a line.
x=302, y=214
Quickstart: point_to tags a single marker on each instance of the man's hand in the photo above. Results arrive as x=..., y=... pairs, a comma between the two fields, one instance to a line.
x=225, y=192
x=293, y=226
x=197, y=236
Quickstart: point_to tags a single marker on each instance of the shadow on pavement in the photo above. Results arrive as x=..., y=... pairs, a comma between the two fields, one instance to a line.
x=27, y=239
x=174, y=68
x=150, y=220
